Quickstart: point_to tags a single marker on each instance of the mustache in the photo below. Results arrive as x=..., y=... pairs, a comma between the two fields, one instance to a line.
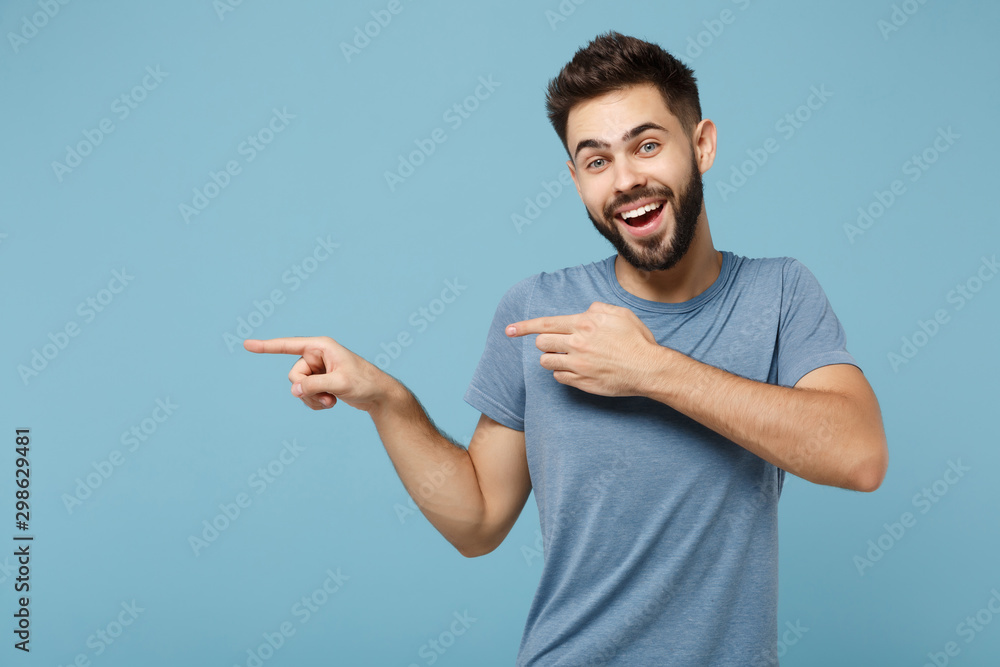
x=637, y=195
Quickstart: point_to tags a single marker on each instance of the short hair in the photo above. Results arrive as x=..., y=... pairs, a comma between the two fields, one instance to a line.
x=613, y=62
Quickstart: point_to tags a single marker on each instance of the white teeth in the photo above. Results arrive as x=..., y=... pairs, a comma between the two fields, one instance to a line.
x=639, y=211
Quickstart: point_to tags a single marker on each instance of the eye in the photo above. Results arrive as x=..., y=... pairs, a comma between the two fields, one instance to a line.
x=594, y=163
x=649, y=143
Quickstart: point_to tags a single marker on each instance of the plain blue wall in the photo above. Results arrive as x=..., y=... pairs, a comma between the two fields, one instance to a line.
x=896, y=75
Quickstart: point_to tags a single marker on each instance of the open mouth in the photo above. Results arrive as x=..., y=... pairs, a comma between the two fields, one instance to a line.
x=642, y=216
x=644, y=220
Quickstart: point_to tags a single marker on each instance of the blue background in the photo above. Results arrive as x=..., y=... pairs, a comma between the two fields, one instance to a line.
x=339, y=504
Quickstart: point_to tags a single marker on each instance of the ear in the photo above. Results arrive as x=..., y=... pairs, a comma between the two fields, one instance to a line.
x=572, y=173
x=704, y=143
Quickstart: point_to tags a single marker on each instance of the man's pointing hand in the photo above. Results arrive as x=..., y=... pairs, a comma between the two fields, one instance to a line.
x=606, y=350
x=326, y=371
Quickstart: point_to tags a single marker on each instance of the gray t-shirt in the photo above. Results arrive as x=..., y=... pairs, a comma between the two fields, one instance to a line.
x=660, y=536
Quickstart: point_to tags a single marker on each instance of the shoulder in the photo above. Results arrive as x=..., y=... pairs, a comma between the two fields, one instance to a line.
x=572, y=275
x=783, y=268
x=782, y=279
x=760, y=272
x=559, y=282
x=796, y=278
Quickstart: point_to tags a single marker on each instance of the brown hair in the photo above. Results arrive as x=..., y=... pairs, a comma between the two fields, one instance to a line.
x=612, y=62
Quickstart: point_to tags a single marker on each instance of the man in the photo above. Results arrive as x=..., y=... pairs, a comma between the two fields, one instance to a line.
x=675, y=387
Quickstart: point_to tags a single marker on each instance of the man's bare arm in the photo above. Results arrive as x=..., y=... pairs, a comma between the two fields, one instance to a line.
x=827, y=429
x=471, y=496
x=474, y=496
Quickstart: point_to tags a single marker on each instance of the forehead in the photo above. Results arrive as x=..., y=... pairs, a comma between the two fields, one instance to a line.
x=609, y=116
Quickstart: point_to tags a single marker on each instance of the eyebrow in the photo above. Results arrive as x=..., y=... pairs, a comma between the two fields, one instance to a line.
x=631, y=134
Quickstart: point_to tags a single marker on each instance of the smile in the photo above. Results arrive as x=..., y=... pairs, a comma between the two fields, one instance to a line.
x=636, y=212
x=643, y=220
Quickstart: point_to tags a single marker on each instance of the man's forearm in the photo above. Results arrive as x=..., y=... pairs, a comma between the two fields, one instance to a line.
x=812, y=434
x=437, y=473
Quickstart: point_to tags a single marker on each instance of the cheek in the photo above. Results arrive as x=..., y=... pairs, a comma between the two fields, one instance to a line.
x=677, y=170
x=596, y=208
x=595, y=196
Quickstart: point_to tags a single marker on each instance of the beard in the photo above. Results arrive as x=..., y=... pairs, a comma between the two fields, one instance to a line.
x=649, y=253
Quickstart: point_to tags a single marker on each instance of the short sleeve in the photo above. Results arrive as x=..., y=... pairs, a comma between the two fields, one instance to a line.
x=497, y=386
x=809, y=333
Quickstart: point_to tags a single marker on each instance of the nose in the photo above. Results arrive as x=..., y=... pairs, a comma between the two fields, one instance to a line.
x=628, y=176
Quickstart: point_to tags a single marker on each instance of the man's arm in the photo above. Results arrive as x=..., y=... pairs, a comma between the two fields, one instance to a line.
x=827, y=429
x=471, y=496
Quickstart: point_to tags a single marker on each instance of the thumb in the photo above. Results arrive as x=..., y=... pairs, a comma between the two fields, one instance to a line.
x=311, y=390
x=308, y=385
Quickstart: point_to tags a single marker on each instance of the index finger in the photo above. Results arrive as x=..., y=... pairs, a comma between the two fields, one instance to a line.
x=551, y=324
x=292, y=345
